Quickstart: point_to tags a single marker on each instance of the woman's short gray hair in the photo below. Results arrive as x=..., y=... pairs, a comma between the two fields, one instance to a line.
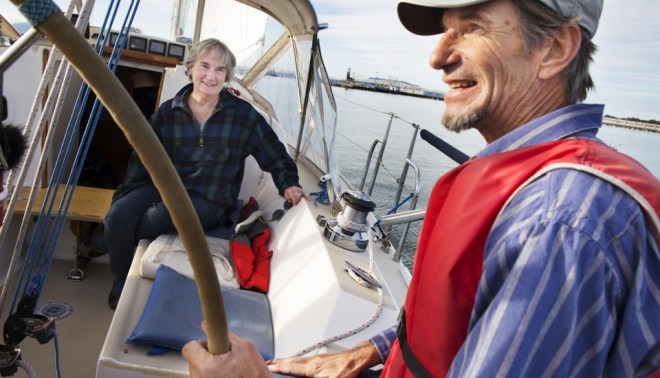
x=539, y=23
x=211, y=45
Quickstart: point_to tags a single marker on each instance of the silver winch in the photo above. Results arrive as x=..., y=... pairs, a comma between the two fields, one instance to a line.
x=350, y=229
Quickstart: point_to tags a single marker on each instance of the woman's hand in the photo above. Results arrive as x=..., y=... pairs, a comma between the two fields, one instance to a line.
x=294, y=194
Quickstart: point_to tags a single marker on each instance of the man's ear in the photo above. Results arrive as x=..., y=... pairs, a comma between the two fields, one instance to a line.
x=560, y=50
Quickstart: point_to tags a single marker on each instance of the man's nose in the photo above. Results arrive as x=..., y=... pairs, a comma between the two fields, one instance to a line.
x=444, y=53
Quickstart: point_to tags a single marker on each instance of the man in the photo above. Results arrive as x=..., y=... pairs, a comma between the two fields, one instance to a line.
x=538, y=257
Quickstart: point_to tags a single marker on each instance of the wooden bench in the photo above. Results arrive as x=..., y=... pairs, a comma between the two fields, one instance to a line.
x=87, y=204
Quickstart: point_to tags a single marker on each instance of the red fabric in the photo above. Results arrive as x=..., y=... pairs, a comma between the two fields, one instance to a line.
x=461, y=210
x=251, y=255
x=260, y=277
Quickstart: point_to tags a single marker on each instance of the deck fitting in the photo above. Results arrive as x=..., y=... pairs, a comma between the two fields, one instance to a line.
x=56, y=310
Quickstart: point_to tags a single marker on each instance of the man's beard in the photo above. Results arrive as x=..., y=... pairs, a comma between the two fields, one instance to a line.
x=463, y=121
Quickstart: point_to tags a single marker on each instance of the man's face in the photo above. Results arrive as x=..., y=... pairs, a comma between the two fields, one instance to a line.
x=490, y=77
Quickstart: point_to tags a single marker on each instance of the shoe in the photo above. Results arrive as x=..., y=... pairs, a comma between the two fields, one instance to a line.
x=99, y=245
x=115, y=292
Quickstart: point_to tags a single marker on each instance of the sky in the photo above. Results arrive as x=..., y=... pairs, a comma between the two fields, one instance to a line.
x=367, y=37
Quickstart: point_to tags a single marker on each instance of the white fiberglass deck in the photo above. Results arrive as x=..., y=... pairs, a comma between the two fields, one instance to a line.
x=312, y=297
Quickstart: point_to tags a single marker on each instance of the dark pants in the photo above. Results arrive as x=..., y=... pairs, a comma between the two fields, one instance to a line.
x=141, y=214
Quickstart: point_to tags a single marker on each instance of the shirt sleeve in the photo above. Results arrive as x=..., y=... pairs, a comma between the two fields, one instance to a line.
x=383, y=342
x=272, y=156
x=564, y=290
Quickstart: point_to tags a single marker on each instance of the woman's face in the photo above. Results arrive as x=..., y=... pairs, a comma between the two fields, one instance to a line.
x=208, y=74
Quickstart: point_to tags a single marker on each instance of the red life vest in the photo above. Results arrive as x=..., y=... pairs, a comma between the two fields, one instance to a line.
x=250, y=253
x=462, y=209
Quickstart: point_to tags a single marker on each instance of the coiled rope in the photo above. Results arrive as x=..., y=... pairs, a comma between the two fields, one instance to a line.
x=367, y=324
x=322, y=195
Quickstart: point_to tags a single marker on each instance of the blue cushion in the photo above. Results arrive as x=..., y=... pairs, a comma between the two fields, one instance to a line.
x=173, y=315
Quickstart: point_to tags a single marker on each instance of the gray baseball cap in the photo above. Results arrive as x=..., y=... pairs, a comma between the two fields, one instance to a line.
x=423, y=16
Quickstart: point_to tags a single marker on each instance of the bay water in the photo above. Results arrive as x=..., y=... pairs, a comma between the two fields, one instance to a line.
x=363, y=117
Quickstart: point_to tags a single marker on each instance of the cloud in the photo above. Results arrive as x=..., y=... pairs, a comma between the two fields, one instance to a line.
x=625, y=69
x=366, y=36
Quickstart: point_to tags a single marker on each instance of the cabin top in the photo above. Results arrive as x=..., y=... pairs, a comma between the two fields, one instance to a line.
x=143, y=45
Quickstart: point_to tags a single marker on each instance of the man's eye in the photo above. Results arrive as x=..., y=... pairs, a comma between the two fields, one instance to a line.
x=475, y=27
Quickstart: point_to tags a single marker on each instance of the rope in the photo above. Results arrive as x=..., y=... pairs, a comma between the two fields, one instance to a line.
x=48, y=230
x=36, y=11
x=376, y=110
x=28, y=369
x=52, y=101
x=57, y=353
x=322, y=195
x=379, y=161
x=86, y=139
x=395, y=208
x=350, y=225
x=151, y=152
x=367, y=324
x=398, y=205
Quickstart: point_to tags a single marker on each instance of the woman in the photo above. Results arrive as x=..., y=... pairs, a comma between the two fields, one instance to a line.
x=207, y=133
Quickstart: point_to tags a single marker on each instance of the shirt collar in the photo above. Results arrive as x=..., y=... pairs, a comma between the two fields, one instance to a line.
x=582, y=120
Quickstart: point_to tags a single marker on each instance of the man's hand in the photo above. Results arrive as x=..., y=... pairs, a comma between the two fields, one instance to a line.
x=242, y=360
x=344, y=364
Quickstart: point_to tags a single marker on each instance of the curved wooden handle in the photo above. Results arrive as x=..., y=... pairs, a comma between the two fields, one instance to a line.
x=140, y=135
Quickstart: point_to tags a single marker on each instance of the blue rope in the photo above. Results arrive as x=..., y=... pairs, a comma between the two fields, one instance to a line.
x=92, y=122
x=36, y=11
x=36, y=240
x=322, y=195
x=57, y=353
x=395, y=208
x=38, y=273
x=86, y=139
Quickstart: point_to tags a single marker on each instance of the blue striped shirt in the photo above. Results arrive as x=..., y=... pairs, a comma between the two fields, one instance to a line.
x=570, y=285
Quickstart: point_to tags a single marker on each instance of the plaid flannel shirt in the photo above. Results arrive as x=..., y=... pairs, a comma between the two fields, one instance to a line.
x=211, y=161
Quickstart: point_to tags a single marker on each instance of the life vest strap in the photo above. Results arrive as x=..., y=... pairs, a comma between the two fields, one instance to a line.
x=412, y=363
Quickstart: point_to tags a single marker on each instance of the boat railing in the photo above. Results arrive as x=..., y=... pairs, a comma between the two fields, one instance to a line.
x=380, y=157
x=413, y=204
x=392, y=218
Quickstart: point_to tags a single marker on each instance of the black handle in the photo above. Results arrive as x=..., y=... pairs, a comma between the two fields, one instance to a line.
x=452, y=152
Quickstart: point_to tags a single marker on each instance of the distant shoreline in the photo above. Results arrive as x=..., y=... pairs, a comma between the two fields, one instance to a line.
x=632, y=124
x=607, y=120
x=405, y=91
